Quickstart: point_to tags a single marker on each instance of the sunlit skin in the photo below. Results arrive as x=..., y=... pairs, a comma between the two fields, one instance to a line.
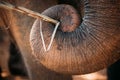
x=87, y=40
x=93, y=43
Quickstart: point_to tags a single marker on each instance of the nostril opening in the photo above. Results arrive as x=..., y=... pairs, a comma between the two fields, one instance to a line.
x=67, y=15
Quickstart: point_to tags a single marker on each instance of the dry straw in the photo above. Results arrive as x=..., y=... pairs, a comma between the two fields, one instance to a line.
x=34, y=15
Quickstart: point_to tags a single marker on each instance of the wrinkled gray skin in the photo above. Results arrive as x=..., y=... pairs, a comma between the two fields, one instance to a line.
x=90, y=46
x=20, y=26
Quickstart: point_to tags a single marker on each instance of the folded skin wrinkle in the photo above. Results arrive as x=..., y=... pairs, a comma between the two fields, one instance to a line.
x=79, y=47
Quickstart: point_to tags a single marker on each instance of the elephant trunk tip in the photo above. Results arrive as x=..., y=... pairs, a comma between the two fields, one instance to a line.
x=69, y=18
x=66, y=14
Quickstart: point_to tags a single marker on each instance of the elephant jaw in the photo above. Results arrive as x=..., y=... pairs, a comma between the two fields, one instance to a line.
x=75, y=49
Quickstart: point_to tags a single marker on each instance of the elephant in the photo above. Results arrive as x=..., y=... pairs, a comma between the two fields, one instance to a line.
x=19, y=32
x=4, y=55
x=87, y=40
x=10, y=58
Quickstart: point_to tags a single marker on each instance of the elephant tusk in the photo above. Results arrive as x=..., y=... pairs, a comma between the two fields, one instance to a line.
x=52, y=37
x=27, y=12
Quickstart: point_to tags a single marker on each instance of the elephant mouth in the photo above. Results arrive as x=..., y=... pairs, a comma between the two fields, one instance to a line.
x=79, y=47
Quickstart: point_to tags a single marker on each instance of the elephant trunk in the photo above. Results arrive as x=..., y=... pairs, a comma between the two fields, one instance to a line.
x=79, y=47
x=66, y=14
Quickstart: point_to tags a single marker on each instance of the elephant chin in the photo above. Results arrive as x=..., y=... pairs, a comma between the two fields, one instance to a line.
x=79, y=47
